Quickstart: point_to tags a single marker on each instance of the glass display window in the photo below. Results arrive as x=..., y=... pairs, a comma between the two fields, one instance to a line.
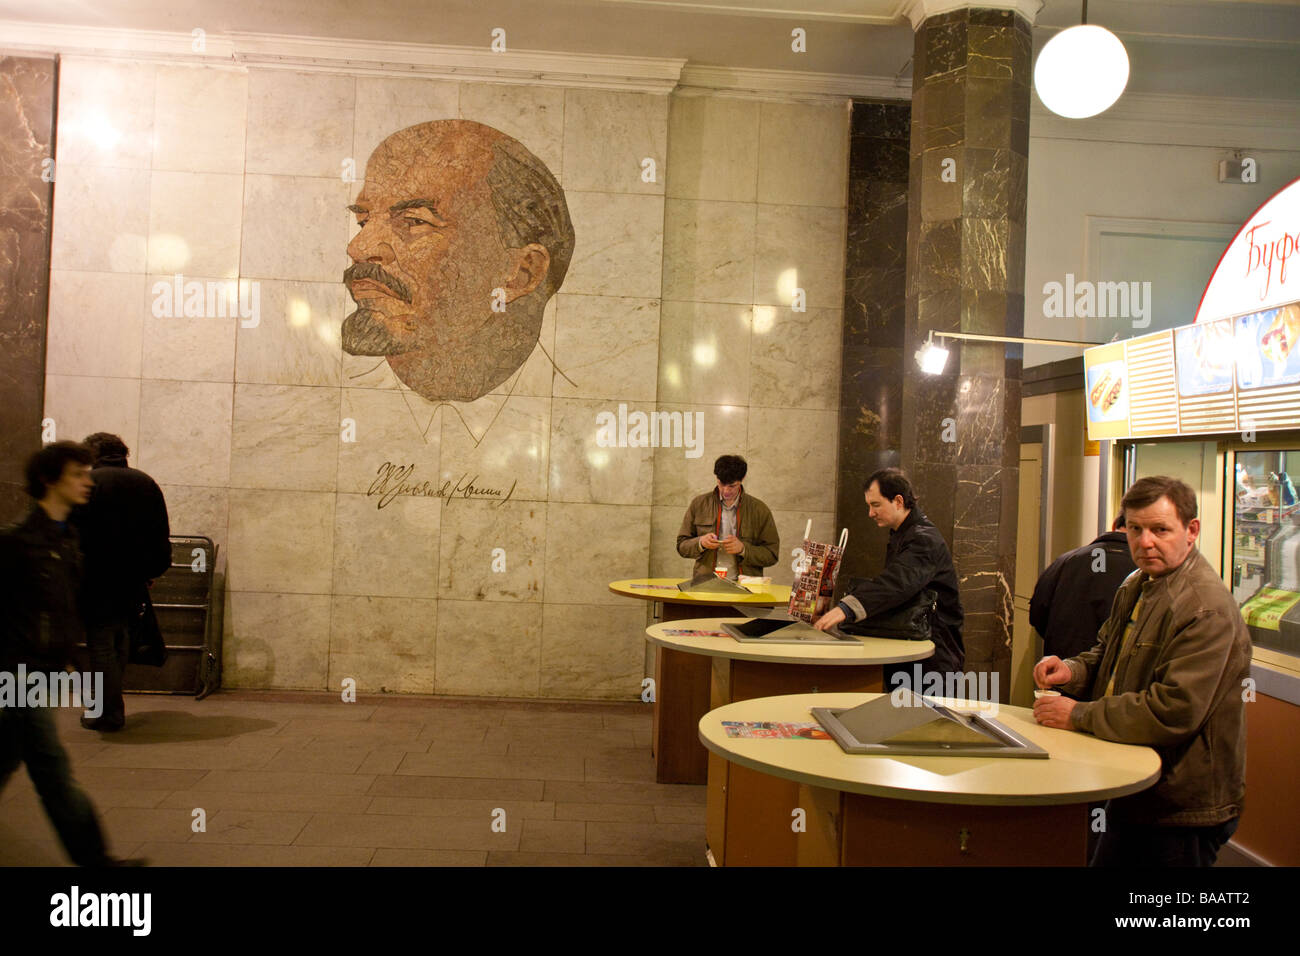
x=1266, y=546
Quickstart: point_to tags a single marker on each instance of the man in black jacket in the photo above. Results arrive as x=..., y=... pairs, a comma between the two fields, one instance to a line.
x=125, y=535
x=916, y=558
x=39, y=579
x=1073, y=596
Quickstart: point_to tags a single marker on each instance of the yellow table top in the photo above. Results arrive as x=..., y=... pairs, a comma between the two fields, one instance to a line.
x=1080, y=767
x=665, y=589
x=865, y=650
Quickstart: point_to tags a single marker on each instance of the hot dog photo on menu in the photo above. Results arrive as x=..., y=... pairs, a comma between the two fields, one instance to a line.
x=1107, y=392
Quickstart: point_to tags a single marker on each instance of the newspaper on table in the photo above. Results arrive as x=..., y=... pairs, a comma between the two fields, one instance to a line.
x=814, y=579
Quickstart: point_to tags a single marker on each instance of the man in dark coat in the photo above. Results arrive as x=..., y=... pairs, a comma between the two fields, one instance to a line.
x=40, y=574
x=916, y=558
x=1073, y=596
x=125, y=536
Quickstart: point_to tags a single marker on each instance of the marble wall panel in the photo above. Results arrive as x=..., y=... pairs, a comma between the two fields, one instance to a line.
x=185, y=431
x=495, y=443
x=592, y=652
x=101, y=219
x=81, y=405
x=489, y=648
x=534, y=115
x=709, y=251
x=197, y=510
x=194, y=223
x=386, y=104
x=794, y=453
x=278, y=641
x=284, y=436
x=678, y=479
x=619, y=244
x=106, y=113
x=799, y=247
x=315, y=210
x=281, y=541
x=607, y=348
x=299, y=124
x=96, y=323
x=190, y=348
x=790, y=527
x=704, y=353
x=665, y=562
x=387, y=552
x=608, y=136
x=803, y=154
x=387, y=645
x=715, y=148
x=200, y=118
x=387, y=433
x=587, y=546
x=584, y=471
x=470, y=567
x=295, y=340
x=794, y=358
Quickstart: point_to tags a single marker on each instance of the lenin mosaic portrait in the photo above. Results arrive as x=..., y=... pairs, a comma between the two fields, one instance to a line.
x=464, y=237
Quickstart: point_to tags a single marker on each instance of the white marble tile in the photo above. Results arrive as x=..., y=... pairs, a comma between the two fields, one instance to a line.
x=276, y=641
x=492, y=552
x=295, y=227
x=724, y=430
x=96, y=323
x=101, y=219
x=296, y=340
x=200, y=119
x=713, y=148
x=795, y=357
x=194, y=223
x=386, y=552
x=386, y=645
x=386, y=434
x=799, y=247
x=299, y=124
x=790, y=527
x=496, y=444
x=187, y=347
x=584, y=471
x=82, y=405
x=709, y=251
x=587, y=546
x=437, y=97
x=665, y=562
x=489, y=648
x=803, y=154
x=593, y=652
x=534, y=115
x=195, y=510
x=793, y=457
x=609, y=135
x=185, y=431
x=618, y=247
x=285, y=436
x=607, y=348
x=704, y=353
x=281, y=541
x=106, y=110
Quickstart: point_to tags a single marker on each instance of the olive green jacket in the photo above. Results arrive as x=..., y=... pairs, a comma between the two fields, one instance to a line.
x=754, y=527
x=1179, y=688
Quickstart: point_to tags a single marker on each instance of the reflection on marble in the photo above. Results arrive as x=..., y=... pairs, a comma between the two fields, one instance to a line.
x=704, y=353
x=619, y=248
x=607, y=348
x=101, y=219
x=803, y=154
x=583, y=471
x=608, y=135
x=592, y=652
x=315, y=210
x=280, y=541
x=470, y=566
x=299, y=124
x=200, y=115
x=296, y=338
x=95, y=323
x=488, y=648
x=278, y=641
x=194, y=223
x=390, y=551
x=186, y=348
x=678, y=479
x=185, y=431
x=709, y=251
x=714, y=148
x=795, y=360
x=285, y=436
x=106, y=111
x=799, y=247
x=199, y=511
x=387, y=645
x=494, y=442
x=385, y=432
x=793, y=457
x=587, y=546
x=534, y=115
x=81, y=405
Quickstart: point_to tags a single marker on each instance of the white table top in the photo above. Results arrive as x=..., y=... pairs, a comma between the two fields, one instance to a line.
x=863, y=650
x=1080, y=767
x=665, y=589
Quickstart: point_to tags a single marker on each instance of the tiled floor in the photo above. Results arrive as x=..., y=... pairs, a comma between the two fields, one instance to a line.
x=304, y=779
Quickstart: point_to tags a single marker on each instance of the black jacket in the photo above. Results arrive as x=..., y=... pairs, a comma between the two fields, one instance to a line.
x=125, y=537
x=1072, y=601
x=40, y=574
x=916, y=558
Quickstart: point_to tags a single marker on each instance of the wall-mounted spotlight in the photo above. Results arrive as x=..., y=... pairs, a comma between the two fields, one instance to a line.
x=932, y=356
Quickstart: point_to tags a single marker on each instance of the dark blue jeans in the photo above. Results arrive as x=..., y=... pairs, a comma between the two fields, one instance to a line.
x=110, y=648
x=27, y=735
x=1136, y=845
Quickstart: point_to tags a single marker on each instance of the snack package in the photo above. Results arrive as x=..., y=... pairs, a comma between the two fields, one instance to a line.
x=814, y=580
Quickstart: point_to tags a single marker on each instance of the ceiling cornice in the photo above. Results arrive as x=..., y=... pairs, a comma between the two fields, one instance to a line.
x=790, y=85
x=918, y=11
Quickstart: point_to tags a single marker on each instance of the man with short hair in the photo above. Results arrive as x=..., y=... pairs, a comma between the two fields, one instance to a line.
x=1166, y=672
x=125, y=536
x=916, y=558
x=1073, y=596
x=725, y=528
x=40, y=573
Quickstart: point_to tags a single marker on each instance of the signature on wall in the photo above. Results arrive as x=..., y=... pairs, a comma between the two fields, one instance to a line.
x=392, y=481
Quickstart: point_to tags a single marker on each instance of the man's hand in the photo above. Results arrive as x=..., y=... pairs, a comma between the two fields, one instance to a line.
x=829, y=619
x=709, y=541
x=731, y=544
x=1054, y=712
x=1051, y=671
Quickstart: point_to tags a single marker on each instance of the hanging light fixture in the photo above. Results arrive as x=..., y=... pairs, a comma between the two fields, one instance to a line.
x=1081, y=71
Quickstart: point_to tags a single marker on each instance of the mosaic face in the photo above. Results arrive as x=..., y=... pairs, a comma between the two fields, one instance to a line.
x=465, y=236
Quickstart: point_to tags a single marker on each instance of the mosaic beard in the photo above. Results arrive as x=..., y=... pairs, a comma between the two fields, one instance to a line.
x=364, y=333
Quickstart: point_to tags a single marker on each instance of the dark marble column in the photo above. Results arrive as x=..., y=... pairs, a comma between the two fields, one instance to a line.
x=875, y=287
x=27, y=88
x=966, y=272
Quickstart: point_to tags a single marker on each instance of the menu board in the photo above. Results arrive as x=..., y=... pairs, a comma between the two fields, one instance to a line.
x=1234, y=374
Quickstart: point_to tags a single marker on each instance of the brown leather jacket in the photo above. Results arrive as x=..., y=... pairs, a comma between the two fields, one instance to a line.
x=755, y=527
x=1178, y=689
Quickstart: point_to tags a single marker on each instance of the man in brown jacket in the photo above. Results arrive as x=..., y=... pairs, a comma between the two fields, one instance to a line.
x=1167, y=672
x=727, y=528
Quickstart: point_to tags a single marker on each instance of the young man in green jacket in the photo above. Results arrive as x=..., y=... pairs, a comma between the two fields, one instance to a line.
x=727, y=528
